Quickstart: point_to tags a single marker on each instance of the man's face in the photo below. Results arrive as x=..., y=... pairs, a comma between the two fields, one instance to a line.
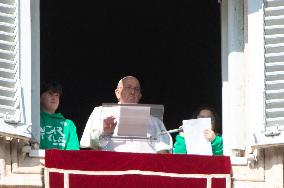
x=128, y=91
x=49, y=101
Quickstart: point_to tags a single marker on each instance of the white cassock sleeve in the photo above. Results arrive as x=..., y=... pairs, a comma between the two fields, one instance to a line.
x=156, y=127
x=92, y=131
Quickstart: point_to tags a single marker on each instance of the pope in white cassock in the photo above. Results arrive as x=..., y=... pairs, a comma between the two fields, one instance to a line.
x=127, y=92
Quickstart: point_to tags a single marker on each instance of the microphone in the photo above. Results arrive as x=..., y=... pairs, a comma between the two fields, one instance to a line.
x=180, y=129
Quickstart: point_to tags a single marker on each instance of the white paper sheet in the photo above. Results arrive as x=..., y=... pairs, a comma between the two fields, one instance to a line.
x=131, y=120
x=195, y=141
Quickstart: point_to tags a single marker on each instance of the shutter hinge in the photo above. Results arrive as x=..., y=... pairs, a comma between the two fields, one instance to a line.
x=274, y=131
x=14, y=119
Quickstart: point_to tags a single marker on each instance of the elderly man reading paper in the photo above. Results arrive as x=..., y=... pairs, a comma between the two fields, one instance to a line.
x=99, y=128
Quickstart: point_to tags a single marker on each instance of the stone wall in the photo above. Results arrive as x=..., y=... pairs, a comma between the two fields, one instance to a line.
x=265, y=172
x=17, y=169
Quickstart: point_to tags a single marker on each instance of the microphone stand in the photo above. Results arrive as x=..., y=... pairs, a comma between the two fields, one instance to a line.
x=180, y=129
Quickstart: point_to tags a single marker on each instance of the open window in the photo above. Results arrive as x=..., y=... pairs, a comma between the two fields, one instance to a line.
x=176, y=60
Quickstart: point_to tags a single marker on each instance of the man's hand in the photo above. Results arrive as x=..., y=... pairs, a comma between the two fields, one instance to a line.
x=209, y=134
x=109, y=125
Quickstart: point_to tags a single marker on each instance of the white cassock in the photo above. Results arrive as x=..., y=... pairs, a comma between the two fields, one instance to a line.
x=92, y=137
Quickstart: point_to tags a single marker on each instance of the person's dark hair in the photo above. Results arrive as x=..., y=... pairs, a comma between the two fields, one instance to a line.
x=214, y=119
x=54, y=86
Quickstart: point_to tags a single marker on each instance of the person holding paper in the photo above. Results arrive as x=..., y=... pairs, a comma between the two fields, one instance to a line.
x=210, y=134
x=128, y=91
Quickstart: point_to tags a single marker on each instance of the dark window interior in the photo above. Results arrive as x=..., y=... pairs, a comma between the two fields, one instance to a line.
x=172, y=47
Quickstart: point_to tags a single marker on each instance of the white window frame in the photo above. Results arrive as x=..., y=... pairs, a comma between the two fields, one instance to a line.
x=264, y=135
x=255, y=109
x=29, y=61
x=233, y=92
x=243, y=77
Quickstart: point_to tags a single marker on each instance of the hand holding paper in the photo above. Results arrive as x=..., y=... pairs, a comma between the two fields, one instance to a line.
x=209, y=134
x=196, y=143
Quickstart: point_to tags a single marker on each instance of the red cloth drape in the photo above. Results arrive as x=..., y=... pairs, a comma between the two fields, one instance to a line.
x=103, y=161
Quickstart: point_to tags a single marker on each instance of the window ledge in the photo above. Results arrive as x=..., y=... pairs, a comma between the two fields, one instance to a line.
x=37, y=153
x=235, y=161
x=239, y=161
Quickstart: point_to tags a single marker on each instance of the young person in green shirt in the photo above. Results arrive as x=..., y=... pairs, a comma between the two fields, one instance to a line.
x=215, y=139
x=56, y=132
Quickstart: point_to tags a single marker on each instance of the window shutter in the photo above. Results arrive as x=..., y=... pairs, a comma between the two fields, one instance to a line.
x=274, y=73
x=9, y=62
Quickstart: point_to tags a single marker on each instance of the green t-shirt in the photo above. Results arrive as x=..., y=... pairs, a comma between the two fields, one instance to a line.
x=57, y=132
x=216, y=144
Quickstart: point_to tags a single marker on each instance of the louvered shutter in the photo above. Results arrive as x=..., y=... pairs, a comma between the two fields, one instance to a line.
x=274, y=73
x=9, y=62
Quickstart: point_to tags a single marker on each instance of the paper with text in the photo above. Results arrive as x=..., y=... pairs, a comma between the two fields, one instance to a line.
x=195, y=141
x=131, y=120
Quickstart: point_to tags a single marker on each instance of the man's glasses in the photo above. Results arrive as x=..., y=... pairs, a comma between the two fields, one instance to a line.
x=129, y=88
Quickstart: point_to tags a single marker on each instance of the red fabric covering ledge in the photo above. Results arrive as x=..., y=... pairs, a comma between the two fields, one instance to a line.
x=117, y=161
x=87, y=160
